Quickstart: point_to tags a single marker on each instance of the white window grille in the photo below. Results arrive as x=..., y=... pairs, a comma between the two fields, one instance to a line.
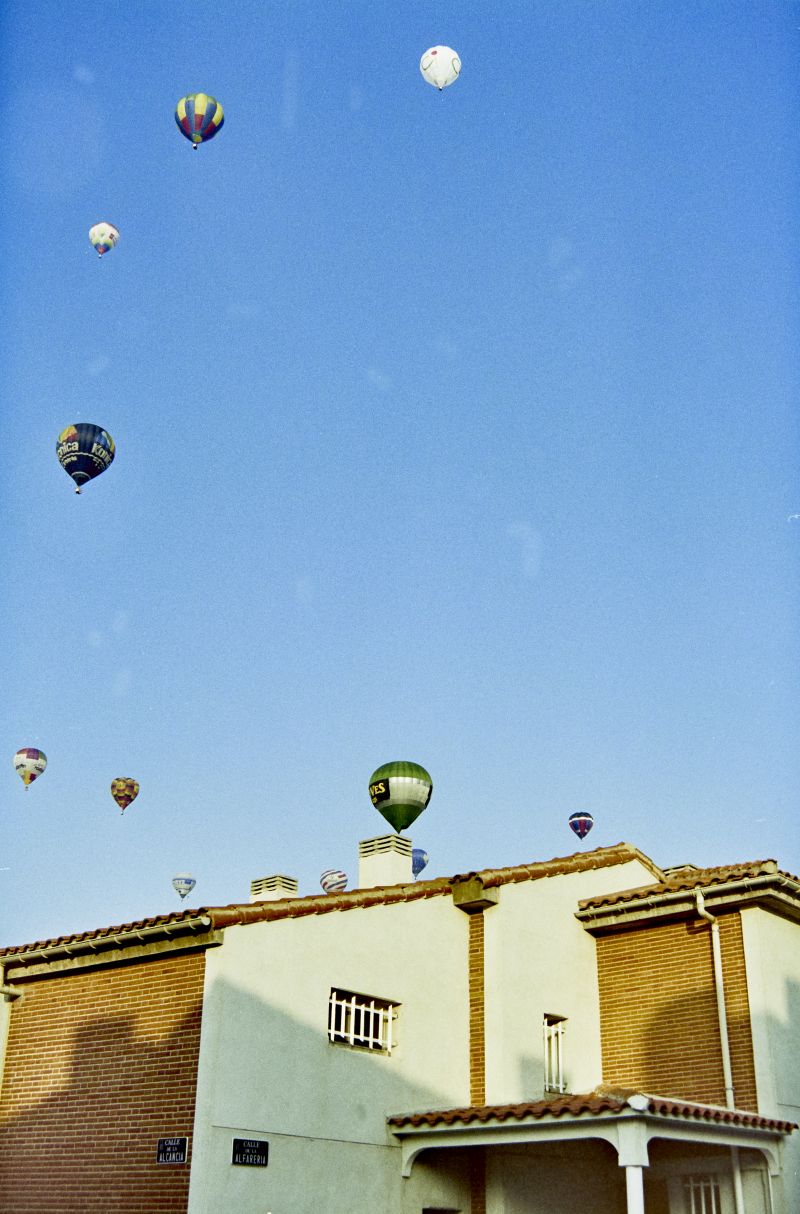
x=554, y=1028
x=702, y=1194
x=361, y=1020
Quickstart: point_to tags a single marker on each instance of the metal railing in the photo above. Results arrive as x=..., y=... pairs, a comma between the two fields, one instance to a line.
x=702, y=1194
x=361, y=1020
x=553, y=1029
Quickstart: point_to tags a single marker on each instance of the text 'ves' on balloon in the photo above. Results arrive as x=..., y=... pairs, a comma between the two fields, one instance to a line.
x=400, y=791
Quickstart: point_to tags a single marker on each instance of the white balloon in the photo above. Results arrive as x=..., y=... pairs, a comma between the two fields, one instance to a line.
x=183, y=884
x=440, y=66
x=103, y=236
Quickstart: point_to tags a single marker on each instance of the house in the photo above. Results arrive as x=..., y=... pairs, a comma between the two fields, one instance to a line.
x=586, y=1033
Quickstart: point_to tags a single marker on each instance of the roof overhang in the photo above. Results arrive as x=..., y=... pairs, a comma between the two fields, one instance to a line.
x=627, y=1124
x=137, y=943
x=777, y=892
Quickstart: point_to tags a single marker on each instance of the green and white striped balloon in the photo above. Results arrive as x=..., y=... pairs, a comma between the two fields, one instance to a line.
x=400, y=791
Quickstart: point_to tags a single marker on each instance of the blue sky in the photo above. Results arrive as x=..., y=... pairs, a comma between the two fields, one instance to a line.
x=456, y=428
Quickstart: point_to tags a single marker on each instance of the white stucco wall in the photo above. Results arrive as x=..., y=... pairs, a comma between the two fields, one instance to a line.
x=772, y=961
x=267, y=1069
x=540, y=959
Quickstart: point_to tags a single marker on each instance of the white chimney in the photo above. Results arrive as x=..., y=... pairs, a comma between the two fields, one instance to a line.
x=272, y=889
x=384, y=861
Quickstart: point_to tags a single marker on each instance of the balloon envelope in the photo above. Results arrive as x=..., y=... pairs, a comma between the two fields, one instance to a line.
x=29, y=763
x=440, y=65
x=400, y=791
x=581, y=823
x=183, y=884
x=199, y=116
x=84, y=451
x=333, y=880
x=419, y=860
x=103, y=236
x=124, y=790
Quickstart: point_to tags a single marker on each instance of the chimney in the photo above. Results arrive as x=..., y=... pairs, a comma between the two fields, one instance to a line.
x=384, y=861
x=272, y=889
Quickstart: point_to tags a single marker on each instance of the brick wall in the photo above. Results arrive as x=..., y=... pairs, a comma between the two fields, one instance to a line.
x=659, y=1024
x=99, y=1066
x=477, y=1012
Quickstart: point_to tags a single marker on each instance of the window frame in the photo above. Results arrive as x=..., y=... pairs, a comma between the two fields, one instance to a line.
x=704, y=1186
x=360, y=1021
x=553, y=1031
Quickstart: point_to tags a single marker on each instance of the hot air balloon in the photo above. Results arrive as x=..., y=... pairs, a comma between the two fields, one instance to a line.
x=581, y=823
x=84, y=451
x=199, y=117
x=183, y=884
x=419, y=860
x=400, y=791
x=333, y=880
x=124, y=790
x=29, y=763
x=440, y=66
x=103, y=236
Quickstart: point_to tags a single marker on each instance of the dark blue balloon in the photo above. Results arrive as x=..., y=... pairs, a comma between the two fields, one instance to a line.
x=419, y=860
x=581, y=823
x=84, y=451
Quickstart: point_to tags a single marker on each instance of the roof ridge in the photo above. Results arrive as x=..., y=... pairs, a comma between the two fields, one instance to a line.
x=241, y=913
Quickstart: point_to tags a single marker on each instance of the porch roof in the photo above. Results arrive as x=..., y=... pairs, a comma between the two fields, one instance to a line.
x=628, y=1120
x=592, y=1104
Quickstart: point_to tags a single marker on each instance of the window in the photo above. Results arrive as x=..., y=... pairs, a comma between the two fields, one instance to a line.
x=554, y=1079
x=361, y=1020
x=702, y=1194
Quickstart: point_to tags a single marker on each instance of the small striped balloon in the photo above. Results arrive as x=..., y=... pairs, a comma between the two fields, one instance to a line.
x=333, y=880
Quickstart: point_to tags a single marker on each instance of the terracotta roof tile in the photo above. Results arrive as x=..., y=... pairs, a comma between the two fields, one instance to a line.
x=237, y=913
x=591, y=1104
x=689, y=879
x=104, y=934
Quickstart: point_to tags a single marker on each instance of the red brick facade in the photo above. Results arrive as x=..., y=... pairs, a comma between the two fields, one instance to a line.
x=477, y=1011
x=101, y=1064
x=659, y=1023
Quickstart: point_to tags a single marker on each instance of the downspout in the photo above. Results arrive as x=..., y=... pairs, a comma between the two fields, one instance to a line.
x=727, y=1073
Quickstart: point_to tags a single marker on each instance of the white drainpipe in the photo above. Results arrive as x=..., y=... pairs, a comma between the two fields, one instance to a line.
x=727, y=1073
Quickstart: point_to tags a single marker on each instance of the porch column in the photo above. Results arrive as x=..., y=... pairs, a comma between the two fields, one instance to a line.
x=634, y=1184
x=632, y=1139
